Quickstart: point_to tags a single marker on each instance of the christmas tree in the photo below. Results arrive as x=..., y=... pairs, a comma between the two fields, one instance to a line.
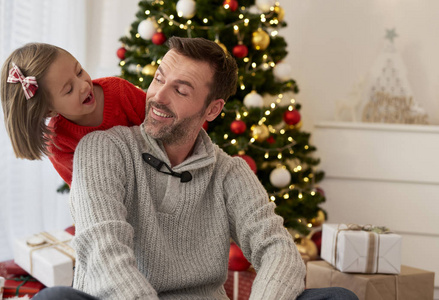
x=260, y=123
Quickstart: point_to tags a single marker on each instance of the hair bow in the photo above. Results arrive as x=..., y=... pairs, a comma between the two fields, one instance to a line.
x=29, y=83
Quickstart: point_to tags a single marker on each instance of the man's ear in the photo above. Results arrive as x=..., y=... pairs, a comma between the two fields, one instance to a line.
x=214, y=109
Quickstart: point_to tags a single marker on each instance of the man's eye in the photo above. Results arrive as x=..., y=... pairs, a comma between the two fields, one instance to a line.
x=80, y=72
x=157, y=79
x=181, y=93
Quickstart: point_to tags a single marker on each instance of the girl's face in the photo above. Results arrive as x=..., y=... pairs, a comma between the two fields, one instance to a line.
x=70, y=89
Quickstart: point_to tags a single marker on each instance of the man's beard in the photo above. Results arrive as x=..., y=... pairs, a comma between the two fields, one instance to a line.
x=178, y=132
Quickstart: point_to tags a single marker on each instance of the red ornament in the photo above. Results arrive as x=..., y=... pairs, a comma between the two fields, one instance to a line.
x=205, y=125
x=317, y=239
x=238, y=127
x=250, y=162
x=70, y=230
x=320, y=191
x=271, y=140
x=292, y=117
x=158, y=38
x=233, y=4
x=121, y=52
x=237, y=260
x=240, y=51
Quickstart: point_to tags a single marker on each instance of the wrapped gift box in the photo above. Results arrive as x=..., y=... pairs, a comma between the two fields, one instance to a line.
x=9, y=267
x=47, y=256
x=242, y=286
x=2, y=284
x=18, y=282
x=410, y=284
x=21, y=286
x=361, y=249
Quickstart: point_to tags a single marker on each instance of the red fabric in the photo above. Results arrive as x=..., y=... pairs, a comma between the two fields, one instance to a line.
x=124, y=105
x=245, y=283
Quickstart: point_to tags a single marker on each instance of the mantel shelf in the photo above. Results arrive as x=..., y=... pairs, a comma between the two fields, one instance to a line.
x=379, y=126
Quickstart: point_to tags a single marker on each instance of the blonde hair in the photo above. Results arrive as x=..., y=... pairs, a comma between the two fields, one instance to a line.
x=25, y=120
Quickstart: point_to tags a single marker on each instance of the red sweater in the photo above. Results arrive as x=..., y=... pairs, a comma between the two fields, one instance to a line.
x=124, y=104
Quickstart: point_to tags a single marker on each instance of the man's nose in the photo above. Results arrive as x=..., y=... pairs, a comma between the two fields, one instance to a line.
x=162, y=94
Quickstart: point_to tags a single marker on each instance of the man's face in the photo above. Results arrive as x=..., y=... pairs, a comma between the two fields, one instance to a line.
x=176, y=99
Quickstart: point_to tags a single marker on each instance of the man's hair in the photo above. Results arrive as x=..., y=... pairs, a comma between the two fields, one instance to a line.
x=25, y=120
x=225, y=69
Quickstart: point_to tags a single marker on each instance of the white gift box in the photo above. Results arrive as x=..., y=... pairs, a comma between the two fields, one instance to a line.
x=2, y=284
x=47, y=256
x=358, y=249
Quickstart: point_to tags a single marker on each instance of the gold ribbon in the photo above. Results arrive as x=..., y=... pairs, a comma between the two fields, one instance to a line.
x=374, y=238
x=51, y=241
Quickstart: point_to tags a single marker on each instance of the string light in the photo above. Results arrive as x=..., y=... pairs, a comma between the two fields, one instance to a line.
x=226, y=136
x=147, y=12
x=272, y=198
x=205, y=20
x=122, y=63
x=233, y=142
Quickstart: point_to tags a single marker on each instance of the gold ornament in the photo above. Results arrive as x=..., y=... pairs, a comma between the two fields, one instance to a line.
x=149, y=69
x=280, y=13
x=260, y=132
x=307, y=247
x=260, y=39
x=319, y=219
x=221, y=45
x=298, y=125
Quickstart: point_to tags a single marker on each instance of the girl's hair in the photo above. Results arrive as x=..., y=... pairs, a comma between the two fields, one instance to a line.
x=25, y=120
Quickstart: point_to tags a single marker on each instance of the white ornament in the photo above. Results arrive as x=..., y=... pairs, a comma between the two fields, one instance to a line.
x=280, y=177
x=265, y=5
x=282, y=71
x=146, y=29
x=186, y=8
x=253, y=99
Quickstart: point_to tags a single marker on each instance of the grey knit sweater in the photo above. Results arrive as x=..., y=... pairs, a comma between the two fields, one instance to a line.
x=141, y=234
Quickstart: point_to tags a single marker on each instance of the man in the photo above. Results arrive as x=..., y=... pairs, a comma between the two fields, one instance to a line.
x=155, y=206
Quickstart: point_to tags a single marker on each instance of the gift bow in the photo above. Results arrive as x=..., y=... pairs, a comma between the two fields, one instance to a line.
x=372, y=242
x=51, y=241
x=29, y=84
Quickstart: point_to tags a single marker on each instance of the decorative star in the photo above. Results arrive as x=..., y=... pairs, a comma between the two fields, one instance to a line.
x=391, y=34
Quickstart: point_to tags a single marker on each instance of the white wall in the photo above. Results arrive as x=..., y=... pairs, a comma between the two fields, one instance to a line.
x=333, y=43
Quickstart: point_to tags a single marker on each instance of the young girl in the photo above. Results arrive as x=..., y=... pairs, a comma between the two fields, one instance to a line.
x=41, y=81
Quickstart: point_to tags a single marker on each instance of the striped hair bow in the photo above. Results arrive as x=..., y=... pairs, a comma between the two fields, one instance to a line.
x=29, y=83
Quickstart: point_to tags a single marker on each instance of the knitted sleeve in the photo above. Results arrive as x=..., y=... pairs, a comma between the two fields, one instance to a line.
x=262, y=237
x=106, y=266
